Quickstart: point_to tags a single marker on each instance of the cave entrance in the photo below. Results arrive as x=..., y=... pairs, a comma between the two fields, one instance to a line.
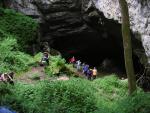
x=100, y=47
x=98, y=50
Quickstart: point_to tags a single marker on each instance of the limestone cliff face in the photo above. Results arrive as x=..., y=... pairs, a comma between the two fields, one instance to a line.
x=139, y=11
x=58, y=18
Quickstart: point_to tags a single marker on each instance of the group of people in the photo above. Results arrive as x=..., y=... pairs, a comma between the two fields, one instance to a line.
x=81, y=67
x=7, y=77
x=84, y=68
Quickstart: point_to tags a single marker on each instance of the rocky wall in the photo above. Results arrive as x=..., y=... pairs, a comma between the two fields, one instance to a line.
x=83, y=26
x=139, y=12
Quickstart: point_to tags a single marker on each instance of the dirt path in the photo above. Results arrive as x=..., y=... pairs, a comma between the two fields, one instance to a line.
x=37, y=73
x=29, y=76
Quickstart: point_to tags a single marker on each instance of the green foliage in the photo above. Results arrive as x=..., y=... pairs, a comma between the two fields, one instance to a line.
x=35, y=76
x=53, y=97
x=112, y=85
x=112, y=97
x=3, y=34
x=57, y=65
x=10, y=58
x=74, y=96
x=37, y=57
x=137, y=103
x=5, y=88
x=22, y=27
x=5, y=92
x=35, y=60
x=109, y=90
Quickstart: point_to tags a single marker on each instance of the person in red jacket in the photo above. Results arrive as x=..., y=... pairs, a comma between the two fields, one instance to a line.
x=72, y=60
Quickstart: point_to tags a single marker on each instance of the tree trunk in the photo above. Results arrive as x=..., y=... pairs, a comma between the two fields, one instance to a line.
x=127, y=46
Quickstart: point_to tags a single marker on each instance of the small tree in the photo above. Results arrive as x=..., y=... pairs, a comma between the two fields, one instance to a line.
x=127, y=46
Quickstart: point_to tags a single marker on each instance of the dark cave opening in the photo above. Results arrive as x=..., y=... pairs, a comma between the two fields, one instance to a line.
x=96, y=49
x=98, y=43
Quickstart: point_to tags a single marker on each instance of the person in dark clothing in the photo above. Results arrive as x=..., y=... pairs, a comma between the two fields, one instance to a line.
x=85, y=69
x=45, y=58
x=89, y=74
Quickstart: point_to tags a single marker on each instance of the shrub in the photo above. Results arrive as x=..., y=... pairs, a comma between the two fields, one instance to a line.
x=109, y=90
x=5, y=92
x=22, y=27
x=37, y=57
x=5, y=88
x=52, y=97
x=72, y=96
x=112, y=85
x=10, y=58
x=35, y=76
x=3, y=34
x=69, y=97
x=137, y=103
x=57, y=65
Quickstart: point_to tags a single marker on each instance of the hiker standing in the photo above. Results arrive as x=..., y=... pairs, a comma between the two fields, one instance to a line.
x=89, y=74
x=85, y=69
x=45, y=58
x=83, y=64
x=72, y=60
x=94, y=73
x=78, y=65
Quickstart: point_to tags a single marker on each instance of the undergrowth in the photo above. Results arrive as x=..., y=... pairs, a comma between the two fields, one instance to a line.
x=21, y=27
x=11, y=59
x=57, y=65
x=104, y=95
x=51, y=97
x=17, y=33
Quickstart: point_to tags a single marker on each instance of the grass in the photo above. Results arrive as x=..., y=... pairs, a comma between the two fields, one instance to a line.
x=35, y=76
x=103, y=95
